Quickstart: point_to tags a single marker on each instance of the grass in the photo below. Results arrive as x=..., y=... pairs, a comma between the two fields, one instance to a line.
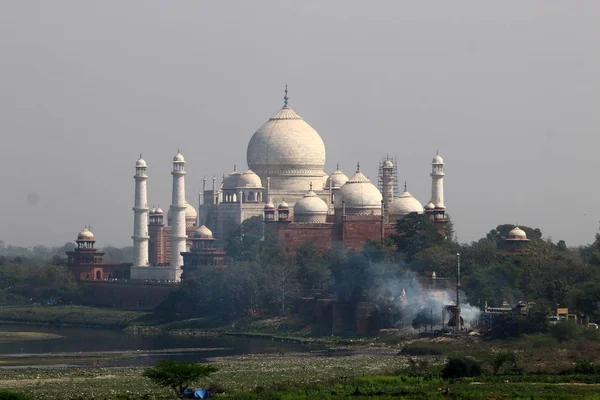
x=69, y=315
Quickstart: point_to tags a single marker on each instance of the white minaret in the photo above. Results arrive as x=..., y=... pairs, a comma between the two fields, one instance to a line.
x=140, y=216
x=437, y=181
x=178, y=235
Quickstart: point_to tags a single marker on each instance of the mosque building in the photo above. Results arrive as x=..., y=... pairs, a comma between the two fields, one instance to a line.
x=286, y=185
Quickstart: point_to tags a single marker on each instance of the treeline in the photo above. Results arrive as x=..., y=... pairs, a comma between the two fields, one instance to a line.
x=24, y=281
x=261, y=278
x=55, y=254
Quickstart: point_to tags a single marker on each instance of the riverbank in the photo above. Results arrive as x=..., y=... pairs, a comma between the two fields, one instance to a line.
x=359, y=372
x=81, y=316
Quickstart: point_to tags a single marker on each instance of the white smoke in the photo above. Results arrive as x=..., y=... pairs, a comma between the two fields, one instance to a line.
x=404, y=295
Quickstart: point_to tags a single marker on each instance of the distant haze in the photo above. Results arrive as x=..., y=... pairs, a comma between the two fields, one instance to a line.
x=509, y=91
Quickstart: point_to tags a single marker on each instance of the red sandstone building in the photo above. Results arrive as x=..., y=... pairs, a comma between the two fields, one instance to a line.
x=87, y=263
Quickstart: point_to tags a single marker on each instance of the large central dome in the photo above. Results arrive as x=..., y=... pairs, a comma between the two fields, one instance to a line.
x=286, y=147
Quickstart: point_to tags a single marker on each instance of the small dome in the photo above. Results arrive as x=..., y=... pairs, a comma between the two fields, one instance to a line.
x=310, y=208
x=178, y=157
x=429, y=206
x=159, y=210
x=269, y=206
x=388, y=164
x=404, y=205
x=283, y=206
x=359, y=195
x=190, y=213
x=337, y=179
x=85, y=234
x=517, y=234
x=437, y=159
x=152, y=211
x=249, y=180
x=232, y=181
x=140, y=163
x=203, y=232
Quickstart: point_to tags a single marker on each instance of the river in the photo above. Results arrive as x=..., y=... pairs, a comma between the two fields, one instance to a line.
x=98, y=347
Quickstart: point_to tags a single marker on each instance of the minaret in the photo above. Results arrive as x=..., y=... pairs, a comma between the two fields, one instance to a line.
x=178, y=235
x=437, y=182
x=140, y=216
x=387, y=184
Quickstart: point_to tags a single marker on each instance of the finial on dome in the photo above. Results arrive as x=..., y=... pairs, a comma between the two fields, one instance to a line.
x=178, y=150
x=338, y=166
x=285, y=97
x=234, y=168
x=358, y=166
x=405, y=186
x=311, y=186
x=437, y=152
x=141, y=156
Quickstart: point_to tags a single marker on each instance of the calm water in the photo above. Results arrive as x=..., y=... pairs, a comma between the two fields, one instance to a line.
x=90, y=340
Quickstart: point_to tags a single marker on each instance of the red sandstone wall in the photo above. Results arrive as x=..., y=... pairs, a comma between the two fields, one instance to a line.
x=293, y=235
x=127, y=296
x=356, y=233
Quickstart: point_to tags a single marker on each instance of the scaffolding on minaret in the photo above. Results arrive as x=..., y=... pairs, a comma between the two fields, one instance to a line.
x=394, y=175
x=387, y=182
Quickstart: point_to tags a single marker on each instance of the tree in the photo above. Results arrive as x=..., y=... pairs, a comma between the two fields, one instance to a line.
x=313, y=271
x=177, y=375
x=415, y=233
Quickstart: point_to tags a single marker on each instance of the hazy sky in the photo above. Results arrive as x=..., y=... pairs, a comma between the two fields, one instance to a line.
x=509, y=91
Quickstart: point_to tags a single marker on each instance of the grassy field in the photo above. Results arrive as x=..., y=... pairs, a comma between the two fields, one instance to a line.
x=69, y=315
x=361, y=375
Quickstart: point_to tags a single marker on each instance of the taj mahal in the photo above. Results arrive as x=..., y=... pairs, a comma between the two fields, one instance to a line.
x=286, y=186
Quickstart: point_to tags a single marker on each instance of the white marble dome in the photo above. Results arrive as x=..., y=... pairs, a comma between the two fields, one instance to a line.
x=286, y=144
x=437, y=159
x=269, y=206
x=249, y=180
x=178, y=157
x=159, y=210
x=403, y=205
x=310, y=209
x=203, y=232
x=232, y=181
x=517, y=234
x=85, y=234
x=360, y=196
x=140, y=163
x=283, y=206
x=337, y=179
x=429, y=206
x=190, y=215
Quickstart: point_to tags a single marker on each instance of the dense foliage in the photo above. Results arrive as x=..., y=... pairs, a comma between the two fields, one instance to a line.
x=262, y=278
x=24, y=281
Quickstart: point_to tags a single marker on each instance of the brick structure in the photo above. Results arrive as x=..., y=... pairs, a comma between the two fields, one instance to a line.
x=204, y=252
x=159, y=246
x=87, y=263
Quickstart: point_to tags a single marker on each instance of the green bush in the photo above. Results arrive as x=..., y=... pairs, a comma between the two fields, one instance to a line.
x=421, y=349
x=461, y=367
x=7, y=395
x=565, y=331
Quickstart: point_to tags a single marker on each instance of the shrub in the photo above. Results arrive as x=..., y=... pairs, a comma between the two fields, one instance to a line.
x=421, y=349
x=565, y=331
x=177, y=375
x=7, y=395
x=461, y=367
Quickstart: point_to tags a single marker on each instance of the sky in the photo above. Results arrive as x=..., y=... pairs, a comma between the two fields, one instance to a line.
x=508, y=91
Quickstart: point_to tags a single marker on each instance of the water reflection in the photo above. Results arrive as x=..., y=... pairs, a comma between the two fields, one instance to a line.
x=96, y=340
